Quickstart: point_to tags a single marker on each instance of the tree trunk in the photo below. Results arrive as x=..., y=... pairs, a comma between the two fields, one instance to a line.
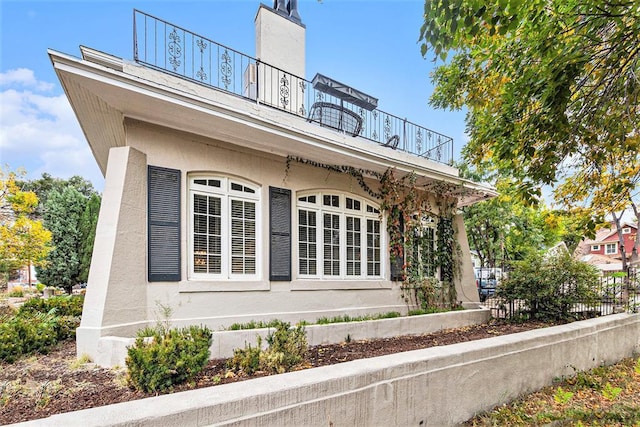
x=620, y=239
x=635, y=254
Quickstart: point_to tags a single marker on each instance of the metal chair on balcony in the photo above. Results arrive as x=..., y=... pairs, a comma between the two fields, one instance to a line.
x=336, y=116
x=392, y=142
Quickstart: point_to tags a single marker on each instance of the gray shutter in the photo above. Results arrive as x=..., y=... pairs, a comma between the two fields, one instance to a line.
x=163, y=228
x=397, y=272
x=279, y=234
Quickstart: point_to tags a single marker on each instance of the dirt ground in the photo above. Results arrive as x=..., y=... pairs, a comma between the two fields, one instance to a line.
x=43, y=385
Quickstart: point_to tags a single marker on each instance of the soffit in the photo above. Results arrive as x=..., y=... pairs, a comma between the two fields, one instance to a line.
x=102, y=96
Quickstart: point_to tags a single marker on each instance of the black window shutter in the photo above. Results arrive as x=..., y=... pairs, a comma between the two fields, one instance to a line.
x=397, y=260
x=163, y=227
x=279, y=234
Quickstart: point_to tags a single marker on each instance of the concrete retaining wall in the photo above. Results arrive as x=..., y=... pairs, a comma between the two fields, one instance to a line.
x=436, y=386
x=112, y=350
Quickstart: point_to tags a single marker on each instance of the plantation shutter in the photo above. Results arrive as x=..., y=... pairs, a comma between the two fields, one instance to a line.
x=398, y=261
x=280, y=234
x=163, y=206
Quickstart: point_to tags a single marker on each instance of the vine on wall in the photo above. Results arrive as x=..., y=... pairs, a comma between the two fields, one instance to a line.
x=406, y=202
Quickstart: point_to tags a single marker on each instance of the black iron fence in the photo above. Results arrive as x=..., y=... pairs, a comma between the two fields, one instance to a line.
x=615, y=293
x=161, y=45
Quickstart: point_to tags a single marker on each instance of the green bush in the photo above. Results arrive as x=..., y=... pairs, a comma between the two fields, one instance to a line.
x=161, y=358
x=549, y=287
x=247, y=359
x=287, y=348
x=10, y=343
x=65, y=305
x=26, y=334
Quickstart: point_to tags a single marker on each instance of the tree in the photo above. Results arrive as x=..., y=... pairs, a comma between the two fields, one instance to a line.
x=62, y=214
x=46, y=184
x=23, y=241
x=87, y=226
x=506, y=229
x=552, y=89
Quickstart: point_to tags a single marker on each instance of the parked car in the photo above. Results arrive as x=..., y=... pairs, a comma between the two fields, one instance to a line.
x=487, y=282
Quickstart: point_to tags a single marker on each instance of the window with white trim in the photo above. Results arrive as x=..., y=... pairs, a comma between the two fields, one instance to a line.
x=339, y=237
x=224, y=230
x=626, y=230
x=595, y=247
x=611, y=248
x=421, y=259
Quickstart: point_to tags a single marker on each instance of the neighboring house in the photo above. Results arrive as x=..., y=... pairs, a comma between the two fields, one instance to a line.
x=237, y=190
x=604, y=250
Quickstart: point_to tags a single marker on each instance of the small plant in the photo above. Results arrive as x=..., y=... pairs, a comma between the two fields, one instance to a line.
x=247, y=359
x=636, y=367
x=47, y=391
x=562, y=397
x=287, y=348
x=609, y=392
x=16, y=292
x=161, y=358
x=80, y=362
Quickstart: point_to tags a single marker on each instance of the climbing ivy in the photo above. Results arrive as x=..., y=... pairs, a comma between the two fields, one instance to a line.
x=406, y=202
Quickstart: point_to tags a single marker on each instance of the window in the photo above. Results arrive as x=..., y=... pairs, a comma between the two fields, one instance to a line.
x=611, y=248
x=422, y=252
x=626, y=230
x=339, y=237
x=595, y=247
x=224, y=228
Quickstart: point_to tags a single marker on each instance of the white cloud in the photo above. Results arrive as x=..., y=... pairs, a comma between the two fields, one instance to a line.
x=23, y=77
x=39, y=131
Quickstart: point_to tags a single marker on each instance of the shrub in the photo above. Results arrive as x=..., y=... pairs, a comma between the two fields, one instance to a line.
x=161, y=358
x=247, y=359
x=25, y=334
x=287, y=348
x=65, y=305
x=550, y=287
x=16, y=292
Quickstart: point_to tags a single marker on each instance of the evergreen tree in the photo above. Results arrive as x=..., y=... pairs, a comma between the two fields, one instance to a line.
x=88, y=223
x=62, y=214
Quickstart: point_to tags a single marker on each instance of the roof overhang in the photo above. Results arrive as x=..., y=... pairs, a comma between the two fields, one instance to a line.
x=105, y=90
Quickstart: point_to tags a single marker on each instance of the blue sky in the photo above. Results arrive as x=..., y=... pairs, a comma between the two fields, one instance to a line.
x=370, y=45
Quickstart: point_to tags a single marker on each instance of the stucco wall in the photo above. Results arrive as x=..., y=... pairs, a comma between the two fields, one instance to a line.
x=432, y=387
x=117, y=283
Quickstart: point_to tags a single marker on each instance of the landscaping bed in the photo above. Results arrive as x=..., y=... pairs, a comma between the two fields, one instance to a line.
x=40, y=386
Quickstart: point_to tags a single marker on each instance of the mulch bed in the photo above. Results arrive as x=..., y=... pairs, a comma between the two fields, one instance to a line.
x=43, y=385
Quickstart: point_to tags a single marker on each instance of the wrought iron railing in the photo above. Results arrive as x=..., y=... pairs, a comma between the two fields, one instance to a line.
x=173, y=49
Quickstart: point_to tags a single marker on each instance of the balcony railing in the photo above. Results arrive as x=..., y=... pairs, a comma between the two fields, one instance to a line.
x=170, y=48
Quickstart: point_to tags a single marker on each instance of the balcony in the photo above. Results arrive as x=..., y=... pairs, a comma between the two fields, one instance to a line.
x=175, y=50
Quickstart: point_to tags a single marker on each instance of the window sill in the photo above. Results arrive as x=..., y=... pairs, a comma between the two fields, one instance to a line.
x=319, y=284
x=222, y=286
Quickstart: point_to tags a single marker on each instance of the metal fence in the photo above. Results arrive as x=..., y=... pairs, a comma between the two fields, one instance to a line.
x=161, y=45
x=615, y=293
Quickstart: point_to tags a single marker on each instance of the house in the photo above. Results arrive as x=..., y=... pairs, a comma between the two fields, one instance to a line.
x=604, y=250
x=238, y=190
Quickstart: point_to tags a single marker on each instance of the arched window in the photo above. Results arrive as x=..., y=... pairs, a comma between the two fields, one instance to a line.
x=224, y=234
x=339, y=236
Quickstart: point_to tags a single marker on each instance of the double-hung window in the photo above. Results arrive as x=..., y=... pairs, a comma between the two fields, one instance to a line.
x=224, y=228
x=611, y=249
x=339, y=237
x=421, y=257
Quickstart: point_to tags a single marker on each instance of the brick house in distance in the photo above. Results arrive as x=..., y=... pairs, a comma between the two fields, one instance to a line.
x=226, y=197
